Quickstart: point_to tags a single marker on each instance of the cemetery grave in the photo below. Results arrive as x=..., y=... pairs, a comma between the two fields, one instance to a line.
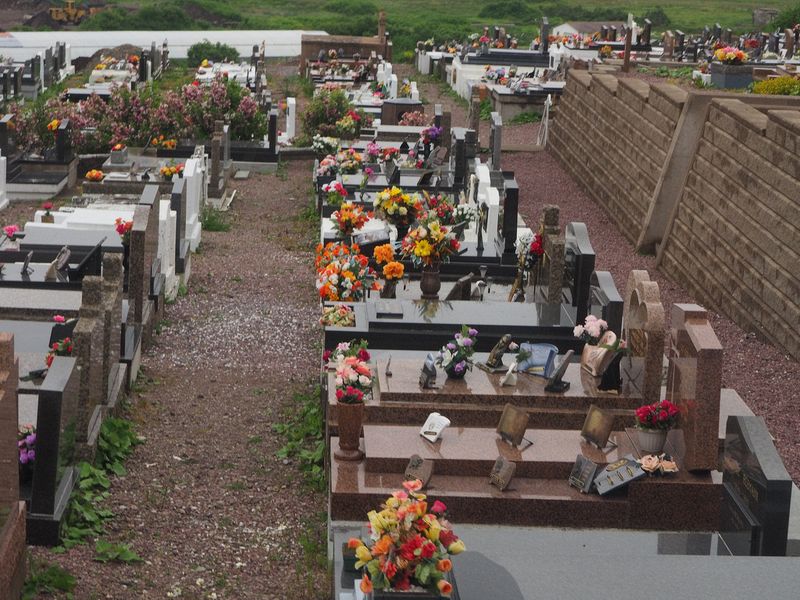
x=490, y=366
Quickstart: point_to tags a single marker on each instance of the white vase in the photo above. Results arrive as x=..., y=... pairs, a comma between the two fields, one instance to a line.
x=651, y=441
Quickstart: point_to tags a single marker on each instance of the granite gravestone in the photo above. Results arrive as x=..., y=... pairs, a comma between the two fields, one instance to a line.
x=9, y=456
x=694, y=380
x=758, y=490
x=643, y=318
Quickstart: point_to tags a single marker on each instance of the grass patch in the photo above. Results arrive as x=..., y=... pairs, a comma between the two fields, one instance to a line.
x=486, y=109
x=214, y=220
x=303, y=430
x=524, y=118
x=45, y=578
x=109, y=552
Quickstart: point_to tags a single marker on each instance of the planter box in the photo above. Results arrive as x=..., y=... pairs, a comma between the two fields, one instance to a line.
x=119, y=157
x=731, y=76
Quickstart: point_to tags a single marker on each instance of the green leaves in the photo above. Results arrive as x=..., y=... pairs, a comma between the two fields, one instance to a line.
x=304, y=433
x=110, y=552
x=44, y=578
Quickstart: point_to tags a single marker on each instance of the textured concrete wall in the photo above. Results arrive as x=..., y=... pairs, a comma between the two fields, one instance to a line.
x=733, y=234
x=613, y=136
x=735, y=238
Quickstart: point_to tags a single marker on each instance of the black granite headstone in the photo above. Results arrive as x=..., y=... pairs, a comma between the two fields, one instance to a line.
x=544, y=34
x=758, y=489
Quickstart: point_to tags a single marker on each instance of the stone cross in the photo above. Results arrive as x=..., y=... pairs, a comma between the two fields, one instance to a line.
x=643, y=324
x=9, y=455
x=694, y=380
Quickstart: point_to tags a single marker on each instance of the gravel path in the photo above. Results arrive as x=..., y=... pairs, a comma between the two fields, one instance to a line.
x=206, y=503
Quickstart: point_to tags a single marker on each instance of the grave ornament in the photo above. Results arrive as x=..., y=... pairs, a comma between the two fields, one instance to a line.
x=513, y=425
x=433, y=427
x=502, y=472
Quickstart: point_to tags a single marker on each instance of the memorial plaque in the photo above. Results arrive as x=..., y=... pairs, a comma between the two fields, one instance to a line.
x=618, y=474
x=583, y=474
x=25, y=264
x=502, y=473
x=597, y=426
x=419, y=468
x=513, y=424
x=433, y=427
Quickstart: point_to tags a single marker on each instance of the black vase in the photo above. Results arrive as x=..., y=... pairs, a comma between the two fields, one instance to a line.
x=611, y=380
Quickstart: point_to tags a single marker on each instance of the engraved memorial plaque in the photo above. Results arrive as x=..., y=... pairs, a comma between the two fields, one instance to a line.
x=419, y=468
x=597, y=426
x=513, y=424
x=502, y=472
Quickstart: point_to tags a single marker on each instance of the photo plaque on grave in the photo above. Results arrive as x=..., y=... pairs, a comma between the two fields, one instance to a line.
x=513, y=424
x=419, y=468
x=597, y=427
x=502, y=472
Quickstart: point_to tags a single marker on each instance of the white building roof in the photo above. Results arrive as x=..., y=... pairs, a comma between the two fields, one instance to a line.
x=22, y=45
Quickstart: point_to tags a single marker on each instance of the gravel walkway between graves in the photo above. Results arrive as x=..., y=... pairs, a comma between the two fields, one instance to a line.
x=206, y=503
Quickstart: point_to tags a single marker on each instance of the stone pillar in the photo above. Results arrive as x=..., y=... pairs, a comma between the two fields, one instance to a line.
x=291, y=117
x=112, y=317
x=9, y=455
x=496, y=140
x=88, y=338
x=694, y=381
x=216, y=159
x=475, y=111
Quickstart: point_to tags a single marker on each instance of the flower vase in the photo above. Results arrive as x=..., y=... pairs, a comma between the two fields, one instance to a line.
x=651, y=441
x=25, y=473
x=453, y=374
x=126, y=253
x=611, y=381
x=389, y=289
x=426, y=150
x=416, y=594
x=402, y=231
x=48, y=218
x=431, y=283
x=349, y=418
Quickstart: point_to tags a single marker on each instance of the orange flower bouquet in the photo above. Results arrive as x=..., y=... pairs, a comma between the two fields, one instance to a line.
x=343, y=274
x=348, y=219
x=409, y=545
x=429, y=243
x=94, y=175
x=392, y=269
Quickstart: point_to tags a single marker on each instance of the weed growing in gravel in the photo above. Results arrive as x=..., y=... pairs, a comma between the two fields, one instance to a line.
x=282, y=171
x=303, y=428
x=110, y=552
x=526, y=117
x=162, y=325
x=44, y=578
x=214, y=220
x=486, y=109
x=85, y=518
x=182, y=290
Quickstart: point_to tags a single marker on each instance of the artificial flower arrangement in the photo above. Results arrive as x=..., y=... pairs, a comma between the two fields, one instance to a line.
x=123, y=228
x=661, y=415
x=409, y=545
x=484, y=39
x=534, y=252
x=606, y=51
x=53, y=125
x=47, y=207
x=348, y=219
x=412, y=161
x=390, y=153
x=328, y=166
x=324, y=145
x=397, y=207
x=456, y=355
x=94, y=175
x=591, y=331
x=348, y=125
x=499, y=74
x=431, y=135
x=331, y=252
x=167, y=171
x=10, y=231
x=379, y=90
x=357, y=348
x=60, y=348
x=429, y=243
x=344, y=275
x=441, y=207
x=414, y=118
x=392, y=269
x=373, y=151
x=730, y=55
x=26, y=444
x=167, y=144
x=118, y=147
x=658, y=464
x=353, y=379
x=340, y=315
x=349, y=161
x=336, y=193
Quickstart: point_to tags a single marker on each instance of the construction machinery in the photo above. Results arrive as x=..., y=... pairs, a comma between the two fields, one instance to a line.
x=70, y=14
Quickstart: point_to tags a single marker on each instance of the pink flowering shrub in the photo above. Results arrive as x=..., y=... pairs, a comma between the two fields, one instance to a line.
x=134, y=118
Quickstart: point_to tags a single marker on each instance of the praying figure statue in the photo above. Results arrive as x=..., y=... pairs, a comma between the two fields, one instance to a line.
x=495, y=360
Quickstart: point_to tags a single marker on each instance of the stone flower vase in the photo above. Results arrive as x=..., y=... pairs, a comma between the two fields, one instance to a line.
x=48, y=218
x=651, y=441
x=389, y=289
x=453, y=374
x=431, y=283
x=349, y=418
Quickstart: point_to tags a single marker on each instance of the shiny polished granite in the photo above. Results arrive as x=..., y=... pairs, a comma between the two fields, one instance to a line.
x=531, y=563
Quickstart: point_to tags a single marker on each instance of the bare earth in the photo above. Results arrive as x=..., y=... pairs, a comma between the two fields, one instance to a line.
x=208, y=506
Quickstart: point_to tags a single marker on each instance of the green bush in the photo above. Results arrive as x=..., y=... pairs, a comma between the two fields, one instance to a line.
x=322, y=112
x=213, y=52
x=779, y=86
x=788, y=18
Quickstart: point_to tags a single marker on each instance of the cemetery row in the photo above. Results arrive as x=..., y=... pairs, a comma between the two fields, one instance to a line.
x=471, y=357
x=82, y=288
